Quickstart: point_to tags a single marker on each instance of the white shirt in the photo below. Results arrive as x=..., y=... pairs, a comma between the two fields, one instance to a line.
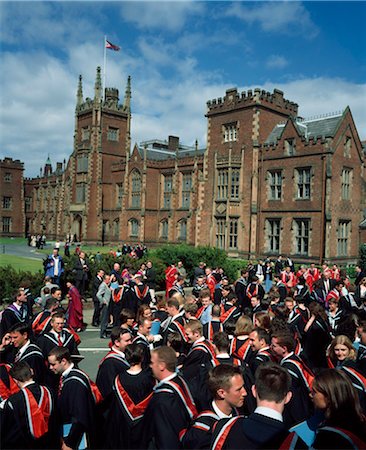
x=118, y=351
x=168, y=378
x=219, y=413
x=22, y=350
x=268, y=412
x=68, y=370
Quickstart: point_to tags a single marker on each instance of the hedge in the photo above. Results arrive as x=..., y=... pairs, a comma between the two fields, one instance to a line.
x=161, y=257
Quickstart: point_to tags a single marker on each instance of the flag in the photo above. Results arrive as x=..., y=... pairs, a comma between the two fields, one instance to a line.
x=112, y=46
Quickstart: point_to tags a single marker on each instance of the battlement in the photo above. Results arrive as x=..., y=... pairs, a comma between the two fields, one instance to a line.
x=234, y=100
x=11, y=163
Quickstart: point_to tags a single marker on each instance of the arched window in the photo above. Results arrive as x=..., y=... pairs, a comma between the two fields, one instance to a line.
x=164, y=229
x=135, y=189
x=116, y=229
x=134, y=228
x=182, y=230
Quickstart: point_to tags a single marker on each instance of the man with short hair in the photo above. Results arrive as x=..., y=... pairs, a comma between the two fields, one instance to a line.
x=26, y=415
x=54, y=266
x=104, y=295
x=264, y=428
x=114, y=362
x=144, y=339
x=299, y=409
x=171, y=408
x=16, y=313
x=81, y=273
x=201, y=352
x=256, y=305
x=96, y=283
x=226, y=386
x=58, y=336
x=259, y=341
x=176, y=321
x=204, y=313
x=76, y=402
x=26, y=351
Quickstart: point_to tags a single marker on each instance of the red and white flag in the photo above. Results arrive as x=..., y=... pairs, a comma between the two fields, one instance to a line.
x=112, y=46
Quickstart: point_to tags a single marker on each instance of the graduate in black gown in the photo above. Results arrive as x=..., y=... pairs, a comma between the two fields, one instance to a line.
x=264, y=428
x=27, y=418
x=76, y=405
x=132, y=392
x=114, y=362
x=171, y=408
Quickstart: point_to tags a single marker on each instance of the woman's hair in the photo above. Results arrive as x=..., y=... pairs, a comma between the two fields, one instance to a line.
x=134, y=354
x=343, y=405
x=141, y=311
x=343, y=340
x=263, y=319
x=244, y=325
x=318, y=310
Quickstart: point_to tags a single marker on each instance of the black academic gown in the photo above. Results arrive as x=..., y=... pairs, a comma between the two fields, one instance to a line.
x=254, y=432
x=17, y=422
x=129, y=400
x=167, y=414
x=111, y=365
x=76, y=406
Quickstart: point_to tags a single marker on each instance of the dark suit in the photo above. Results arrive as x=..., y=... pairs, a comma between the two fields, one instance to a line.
x=96, y=315
x=81, y=275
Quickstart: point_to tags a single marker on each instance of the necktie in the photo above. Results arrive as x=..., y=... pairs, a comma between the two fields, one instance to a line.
x=60, y=385
x=17, y=357
x=60, y=343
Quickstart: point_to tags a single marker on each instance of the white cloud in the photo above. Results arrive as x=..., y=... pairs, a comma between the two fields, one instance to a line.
x=276, y=62
x=282, y=17
x=160, y=15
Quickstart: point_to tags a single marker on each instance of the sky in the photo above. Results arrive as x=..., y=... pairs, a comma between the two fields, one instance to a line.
x=180, y=55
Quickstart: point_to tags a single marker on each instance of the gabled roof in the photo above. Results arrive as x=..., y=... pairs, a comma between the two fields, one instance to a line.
x=309, y=128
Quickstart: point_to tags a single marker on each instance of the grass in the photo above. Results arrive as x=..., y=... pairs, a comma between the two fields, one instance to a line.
x=20, y=263
x=12, y=241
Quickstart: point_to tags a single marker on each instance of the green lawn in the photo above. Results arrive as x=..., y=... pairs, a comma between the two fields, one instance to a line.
x=12, y=241
x=19, y=263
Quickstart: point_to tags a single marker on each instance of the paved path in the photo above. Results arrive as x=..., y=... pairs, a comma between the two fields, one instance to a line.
x=23, y=250
x=91, y=347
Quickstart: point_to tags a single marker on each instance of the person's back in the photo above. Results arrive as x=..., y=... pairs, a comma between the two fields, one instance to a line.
x=171, y=408
x=27, y=419
x=264, y=428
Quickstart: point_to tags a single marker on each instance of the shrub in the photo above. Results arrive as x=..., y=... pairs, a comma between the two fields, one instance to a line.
x=11, y=279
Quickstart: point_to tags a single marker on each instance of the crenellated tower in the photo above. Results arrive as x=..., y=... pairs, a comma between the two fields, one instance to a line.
x=101, y=142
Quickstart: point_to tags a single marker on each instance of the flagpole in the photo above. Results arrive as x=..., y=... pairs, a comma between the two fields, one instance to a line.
x=105, y=62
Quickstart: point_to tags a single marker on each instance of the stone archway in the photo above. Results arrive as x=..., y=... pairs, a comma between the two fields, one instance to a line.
x=77, y=227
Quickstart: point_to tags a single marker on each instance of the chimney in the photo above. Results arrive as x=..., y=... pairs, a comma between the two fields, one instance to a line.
x=173, y=143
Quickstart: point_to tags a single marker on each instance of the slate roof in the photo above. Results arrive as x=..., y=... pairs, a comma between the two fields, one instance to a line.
x=157, y=151
x=323, y=126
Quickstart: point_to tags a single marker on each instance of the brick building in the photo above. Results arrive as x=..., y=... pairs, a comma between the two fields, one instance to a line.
x=12, y=201
x=281, y=184
x=269, y=182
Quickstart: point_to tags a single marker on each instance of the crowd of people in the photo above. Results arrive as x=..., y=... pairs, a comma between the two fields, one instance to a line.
x=275, y=359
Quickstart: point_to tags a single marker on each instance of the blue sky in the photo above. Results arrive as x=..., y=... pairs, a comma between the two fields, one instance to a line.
x=179, y=55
